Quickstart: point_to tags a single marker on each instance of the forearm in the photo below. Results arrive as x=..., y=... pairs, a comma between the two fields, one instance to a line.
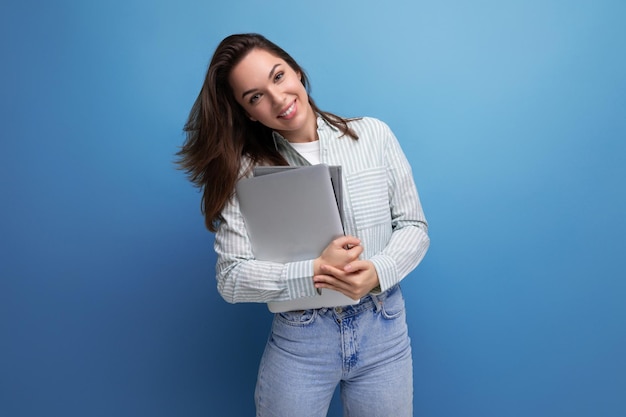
x=261, y=281
x=409, y=239
x=404, y=251
x=242, y=278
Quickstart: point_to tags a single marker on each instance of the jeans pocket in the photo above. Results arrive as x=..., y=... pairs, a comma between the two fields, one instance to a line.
x=297, y=318
x=393, y=305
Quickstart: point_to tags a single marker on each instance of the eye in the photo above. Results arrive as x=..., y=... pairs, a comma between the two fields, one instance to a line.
x=254, y=98
x=279, y=76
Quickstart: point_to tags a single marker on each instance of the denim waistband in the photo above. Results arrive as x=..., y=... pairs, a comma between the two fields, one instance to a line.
x=369, y=302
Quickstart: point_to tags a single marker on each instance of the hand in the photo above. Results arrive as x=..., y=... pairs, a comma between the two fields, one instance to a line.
x=356, y=279
x=339, y=253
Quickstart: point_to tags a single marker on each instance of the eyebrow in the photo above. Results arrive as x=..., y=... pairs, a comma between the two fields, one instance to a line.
x=245, y=93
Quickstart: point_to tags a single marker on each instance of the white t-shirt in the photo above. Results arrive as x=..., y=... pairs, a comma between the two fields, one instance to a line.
x=309, y=150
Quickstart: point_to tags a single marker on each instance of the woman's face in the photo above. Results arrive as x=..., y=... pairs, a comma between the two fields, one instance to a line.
x=271, y=92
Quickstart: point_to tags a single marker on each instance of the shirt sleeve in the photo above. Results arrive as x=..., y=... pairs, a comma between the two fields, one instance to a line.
x=242, y=278
x=409, y=239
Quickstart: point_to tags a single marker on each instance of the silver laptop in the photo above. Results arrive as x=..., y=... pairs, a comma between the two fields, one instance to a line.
x=292, y=215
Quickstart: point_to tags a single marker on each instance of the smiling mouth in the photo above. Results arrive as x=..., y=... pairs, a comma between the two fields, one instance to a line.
x=289, y=111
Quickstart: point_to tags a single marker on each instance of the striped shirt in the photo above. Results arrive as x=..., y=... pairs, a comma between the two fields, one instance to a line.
x=381, y=208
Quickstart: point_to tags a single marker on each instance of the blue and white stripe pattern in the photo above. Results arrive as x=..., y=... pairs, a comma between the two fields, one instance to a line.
x=381, y=208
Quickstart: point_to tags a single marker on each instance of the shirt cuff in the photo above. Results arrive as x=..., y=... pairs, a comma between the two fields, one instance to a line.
x=376, y=290
x=387, y=273
x=299, y=279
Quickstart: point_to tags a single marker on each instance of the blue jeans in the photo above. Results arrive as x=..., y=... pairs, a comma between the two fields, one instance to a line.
x=365, y=348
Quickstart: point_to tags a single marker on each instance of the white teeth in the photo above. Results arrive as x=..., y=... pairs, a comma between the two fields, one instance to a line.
x=288, y=111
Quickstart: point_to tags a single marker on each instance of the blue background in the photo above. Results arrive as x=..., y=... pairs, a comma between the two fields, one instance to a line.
x=512, y=113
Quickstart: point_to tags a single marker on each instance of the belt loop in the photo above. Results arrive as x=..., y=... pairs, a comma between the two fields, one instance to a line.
x=377, y=303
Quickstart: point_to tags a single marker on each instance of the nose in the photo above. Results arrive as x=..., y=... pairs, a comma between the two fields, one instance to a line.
x=276, y=95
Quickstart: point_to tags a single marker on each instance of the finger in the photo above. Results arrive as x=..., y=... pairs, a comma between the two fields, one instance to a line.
x=329, y=270
x=331, y=283
x=354, y=251
x=357, y=265
x=349, y=289
x=347, y=241
x=333, y=278
x=328, y=281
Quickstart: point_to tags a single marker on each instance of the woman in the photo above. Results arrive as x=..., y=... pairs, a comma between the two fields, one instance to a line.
x=254, y=109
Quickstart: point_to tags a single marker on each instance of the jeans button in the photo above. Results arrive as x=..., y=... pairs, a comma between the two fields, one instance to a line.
x=338, y=310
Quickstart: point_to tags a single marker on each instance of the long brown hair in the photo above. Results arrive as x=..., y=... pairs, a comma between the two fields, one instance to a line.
x=219, y=133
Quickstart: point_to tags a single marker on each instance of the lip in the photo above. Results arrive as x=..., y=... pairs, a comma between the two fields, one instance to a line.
x=291, y=108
